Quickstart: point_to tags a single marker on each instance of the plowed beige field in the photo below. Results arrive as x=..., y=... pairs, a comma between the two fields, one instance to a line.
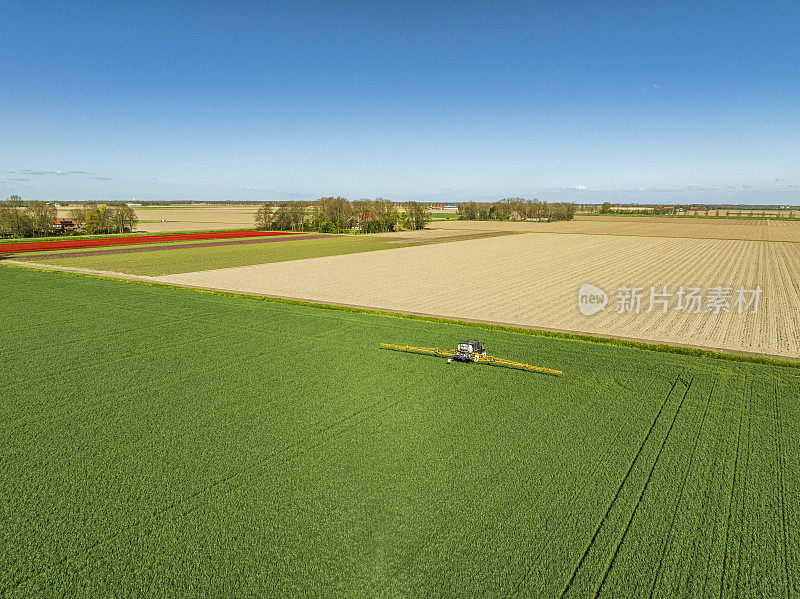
x=533, y=280
x=198, y=218
x=643, y=226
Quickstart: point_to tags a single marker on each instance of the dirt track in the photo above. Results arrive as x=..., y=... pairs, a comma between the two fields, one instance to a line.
x=533, y=280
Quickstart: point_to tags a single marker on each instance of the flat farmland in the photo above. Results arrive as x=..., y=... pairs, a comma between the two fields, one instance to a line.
x=533, y=280
x=191, y=218
x=154, y=260
x=647, y=226
x=233, y=447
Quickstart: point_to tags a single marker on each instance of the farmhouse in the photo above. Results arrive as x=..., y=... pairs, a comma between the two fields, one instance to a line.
x=65, y=224
x=361, y=217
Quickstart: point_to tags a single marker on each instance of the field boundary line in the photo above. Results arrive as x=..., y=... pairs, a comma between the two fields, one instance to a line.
x=733, y=490
x=781, y=484
x=683, y=487
x=744, y=484
x=610, y=563
x=627, y=342
x=616, y=494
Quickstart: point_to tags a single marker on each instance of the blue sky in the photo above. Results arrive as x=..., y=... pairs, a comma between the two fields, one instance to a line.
x=587, y=102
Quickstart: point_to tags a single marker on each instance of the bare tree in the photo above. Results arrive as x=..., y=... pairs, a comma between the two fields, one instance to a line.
x=387, y=214
x=281, y=220
x=417, y=215
x=130, y=219
x=15, y=221
x=336, y=210
x=366, y=218
x=121, y=218
x=264, y=217
x=297, y=215
x=42, y=216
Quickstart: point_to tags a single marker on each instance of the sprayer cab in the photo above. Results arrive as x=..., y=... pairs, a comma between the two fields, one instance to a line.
x=469, y=351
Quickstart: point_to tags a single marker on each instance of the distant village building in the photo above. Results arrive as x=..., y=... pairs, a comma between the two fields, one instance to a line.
x=634, y=208
x=517, y=215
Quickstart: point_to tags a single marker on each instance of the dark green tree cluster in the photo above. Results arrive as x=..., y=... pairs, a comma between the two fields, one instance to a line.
x=516, y=209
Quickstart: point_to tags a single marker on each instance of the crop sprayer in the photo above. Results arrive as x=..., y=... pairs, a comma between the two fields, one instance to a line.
x=469, y=351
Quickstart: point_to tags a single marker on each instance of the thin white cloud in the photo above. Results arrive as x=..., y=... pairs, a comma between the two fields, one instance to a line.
x=31, y=172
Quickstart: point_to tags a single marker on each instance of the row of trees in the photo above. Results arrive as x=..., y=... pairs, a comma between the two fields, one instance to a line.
x=335, y=215
x=115, y=217
x=689, y=210
x=37, y=219
x=26, y=219
x=607, y=208
x=516, y=208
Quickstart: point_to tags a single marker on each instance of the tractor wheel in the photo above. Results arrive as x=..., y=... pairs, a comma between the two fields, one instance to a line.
x=475, y=358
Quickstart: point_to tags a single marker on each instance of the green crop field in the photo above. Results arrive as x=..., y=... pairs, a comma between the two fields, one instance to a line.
x=165, y=442
x=189, y=259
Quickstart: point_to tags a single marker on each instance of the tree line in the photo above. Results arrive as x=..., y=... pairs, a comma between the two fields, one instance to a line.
x=114, y=217
x=692, y=210
x=516, y=209
x=37, y=219
x=337, y=214
x=26, y=219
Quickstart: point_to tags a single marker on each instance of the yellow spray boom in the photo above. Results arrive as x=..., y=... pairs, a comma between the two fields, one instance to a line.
x=469, y=351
